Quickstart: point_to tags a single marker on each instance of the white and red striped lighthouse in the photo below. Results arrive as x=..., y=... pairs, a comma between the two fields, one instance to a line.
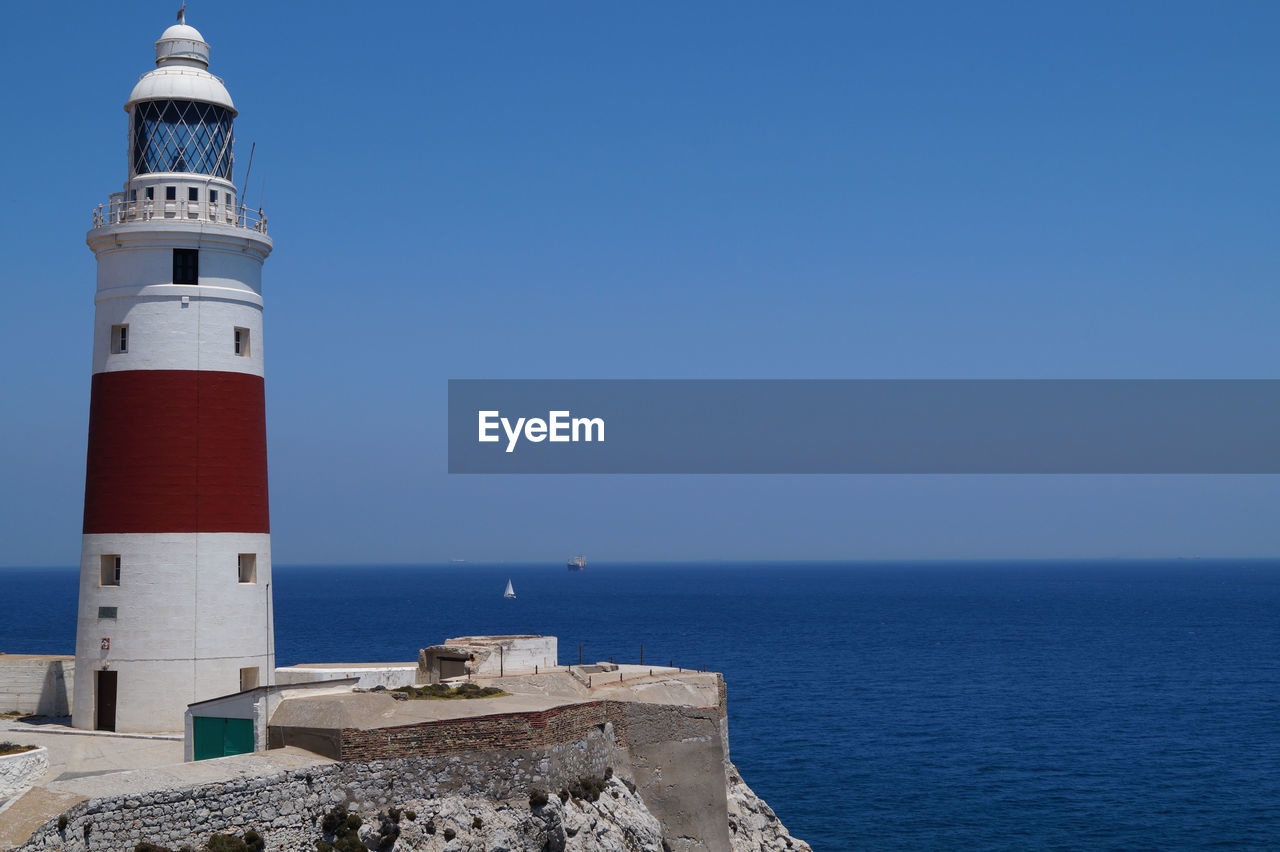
x=175, y=573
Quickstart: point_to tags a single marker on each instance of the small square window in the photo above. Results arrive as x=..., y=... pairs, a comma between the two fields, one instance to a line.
x=150, y=193
x=110, y=570
x=193, y=193
x=248, y=567
x=107, y=611
x=186, y=266
x=133, y=195
x=249, y=678
x=119, y=339
x=170, y=193
x=242, y=342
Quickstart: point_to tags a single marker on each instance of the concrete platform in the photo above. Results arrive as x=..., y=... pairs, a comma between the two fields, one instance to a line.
x=74, y=754
x=529, y=693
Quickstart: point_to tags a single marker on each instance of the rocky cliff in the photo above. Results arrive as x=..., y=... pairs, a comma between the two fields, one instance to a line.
x=607, y=817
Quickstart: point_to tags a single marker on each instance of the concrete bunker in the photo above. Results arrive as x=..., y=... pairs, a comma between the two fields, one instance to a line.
x=487, y=656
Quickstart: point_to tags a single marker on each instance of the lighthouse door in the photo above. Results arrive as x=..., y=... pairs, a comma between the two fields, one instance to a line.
x=105, y=683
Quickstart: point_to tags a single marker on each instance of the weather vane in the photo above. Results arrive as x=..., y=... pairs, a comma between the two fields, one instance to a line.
x=182, y=13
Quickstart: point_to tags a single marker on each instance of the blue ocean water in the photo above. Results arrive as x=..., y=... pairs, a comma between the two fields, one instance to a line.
x=881, y=706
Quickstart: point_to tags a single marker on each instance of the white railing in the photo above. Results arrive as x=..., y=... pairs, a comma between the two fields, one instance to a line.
x=118, y=211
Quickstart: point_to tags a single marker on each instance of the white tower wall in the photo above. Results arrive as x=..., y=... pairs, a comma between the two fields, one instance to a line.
x=175, y=586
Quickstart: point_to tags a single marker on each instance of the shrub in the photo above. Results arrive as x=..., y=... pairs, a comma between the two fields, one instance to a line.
x=588, y=788
x=7, y=747
x=388, y=829
x=148, y=846
x=477, y=823
x=564, y=795
x=62, y=823
x=333, y=820
x=226, y=843
x=440, y=691
x=411, y=815
x=324, y=846
x=537, y=798
x=254, y=841
x=394, y=813
x=431, y=826
x=344, y=828
x=449, y=834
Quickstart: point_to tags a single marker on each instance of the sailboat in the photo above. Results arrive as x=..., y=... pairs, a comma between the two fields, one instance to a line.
x=510, y=592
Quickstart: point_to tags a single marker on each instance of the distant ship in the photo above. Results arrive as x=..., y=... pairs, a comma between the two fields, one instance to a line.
x=510, y=592
x=577, y=563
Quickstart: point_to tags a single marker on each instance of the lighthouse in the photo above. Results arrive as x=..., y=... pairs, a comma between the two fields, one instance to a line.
x=175, y=572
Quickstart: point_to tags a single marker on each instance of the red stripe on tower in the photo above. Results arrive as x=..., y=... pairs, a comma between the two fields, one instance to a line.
x=176, y=451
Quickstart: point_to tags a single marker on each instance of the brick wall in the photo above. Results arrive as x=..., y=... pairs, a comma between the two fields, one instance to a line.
x=476, y=733
x=632, y=722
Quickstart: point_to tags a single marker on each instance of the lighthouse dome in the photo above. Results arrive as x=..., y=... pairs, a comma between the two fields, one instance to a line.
x=180, y=83
x=182, y=31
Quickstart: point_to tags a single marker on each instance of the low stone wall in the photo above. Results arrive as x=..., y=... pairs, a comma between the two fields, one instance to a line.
x=391, y=676
x=21, y=770
x=41, y=685
x=286, y=807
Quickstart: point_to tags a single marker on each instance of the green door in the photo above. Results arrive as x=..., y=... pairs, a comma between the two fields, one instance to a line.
x=218, y=737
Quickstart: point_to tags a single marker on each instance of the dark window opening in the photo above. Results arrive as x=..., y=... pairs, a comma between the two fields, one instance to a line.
x=170, y=193
x=186, y=266
x=193, y=194
x=133, y=195
x=213, y=196
x=151, y=193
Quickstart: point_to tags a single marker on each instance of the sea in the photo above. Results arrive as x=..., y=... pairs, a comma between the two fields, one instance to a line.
x=956, y=705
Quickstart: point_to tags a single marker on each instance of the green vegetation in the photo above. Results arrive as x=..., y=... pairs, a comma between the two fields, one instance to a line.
x=7, y=747
x=251, y=842
x=587, y=788
x=388, y=828
x=537, y=798
x=344, y=828
x=438, y=691
x=477, y=823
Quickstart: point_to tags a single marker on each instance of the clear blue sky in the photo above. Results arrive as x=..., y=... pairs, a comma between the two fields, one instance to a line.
x=683, y=190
